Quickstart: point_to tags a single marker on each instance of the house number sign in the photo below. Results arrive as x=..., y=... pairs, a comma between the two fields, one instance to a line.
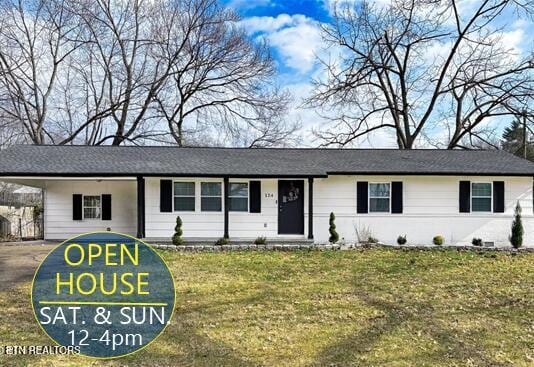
x=104, y=294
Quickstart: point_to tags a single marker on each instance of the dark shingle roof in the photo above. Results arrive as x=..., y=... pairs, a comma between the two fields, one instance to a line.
x=31, y=160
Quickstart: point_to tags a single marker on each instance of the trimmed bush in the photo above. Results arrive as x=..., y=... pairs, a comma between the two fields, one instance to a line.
x=516, y=238
x=177, y=237
x=222, y=241
x=477, y=242
x=260, y=241
x=438, y=240
x=334, y=236
x=401, y=240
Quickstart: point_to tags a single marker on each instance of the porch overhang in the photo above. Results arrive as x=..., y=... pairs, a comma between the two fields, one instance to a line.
x=39, y=181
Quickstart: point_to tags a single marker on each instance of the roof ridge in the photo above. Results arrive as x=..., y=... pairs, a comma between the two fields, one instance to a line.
x=259, y=148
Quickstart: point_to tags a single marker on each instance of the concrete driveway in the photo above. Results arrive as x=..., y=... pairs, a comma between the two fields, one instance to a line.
x=18, y=262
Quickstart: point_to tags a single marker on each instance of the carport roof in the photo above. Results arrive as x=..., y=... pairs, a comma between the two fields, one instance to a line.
x=44, y=160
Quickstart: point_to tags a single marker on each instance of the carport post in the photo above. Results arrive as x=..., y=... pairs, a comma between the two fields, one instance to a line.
x=310, y=208
x=226, y=205
x=140, y=207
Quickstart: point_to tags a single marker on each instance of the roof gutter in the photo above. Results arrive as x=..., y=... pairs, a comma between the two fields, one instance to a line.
x=389, y=173
x=133, y=175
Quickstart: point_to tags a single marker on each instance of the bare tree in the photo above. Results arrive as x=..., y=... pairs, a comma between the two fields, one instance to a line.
x=123, y=72
x=413, y=66
x=114, y=72
x=220, y=81
x=34, y=42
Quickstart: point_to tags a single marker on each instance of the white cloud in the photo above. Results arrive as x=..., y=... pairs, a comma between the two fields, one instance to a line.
x=298, y=45
x=332, y=5
x=513, y=40
x=296, y=38
x=268, y=24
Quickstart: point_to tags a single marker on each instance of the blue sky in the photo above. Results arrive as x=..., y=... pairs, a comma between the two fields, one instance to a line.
x=290, y=18
x=292, y=28
x=293, y=31
x=314, y=9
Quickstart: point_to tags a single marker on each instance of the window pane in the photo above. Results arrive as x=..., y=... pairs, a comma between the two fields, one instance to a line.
x=212, y=204
x=481, y=189
x=184, y=203
x=184, y=188
x=379, y=190
x=211, y=189
x=379, y=205
x=482, y=204
x=238, y=204
x=93, y=201
x=91, y=213
x=238, y=189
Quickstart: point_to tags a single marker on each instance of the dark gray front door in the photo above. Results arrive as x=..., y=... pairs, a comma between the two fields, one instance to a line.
x=291, y=207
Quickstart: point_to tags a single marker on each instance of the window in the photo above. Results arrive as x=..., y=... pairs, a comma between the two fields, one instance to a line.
x=238, y=196
x=91, y=207
x=379, y=197
x=481, y=197
x=184, y=196
x=210, y=200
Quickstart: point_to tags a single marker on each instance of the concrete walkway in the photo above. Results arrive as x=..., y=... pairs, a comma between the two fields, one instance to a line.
x=19, y=262
x=30, y=243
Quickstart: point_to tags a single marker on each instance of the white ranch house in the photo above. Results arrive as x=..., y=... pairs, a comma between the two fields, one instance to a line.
x=281, y=194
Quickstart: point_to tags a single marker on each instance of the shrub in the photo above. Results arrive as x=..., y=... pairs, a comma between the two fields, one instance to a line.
x=222, y=241
x=177, y=237
x=372, y=239
x=334, y=236
x=516, y=238
x=477, y=241
x=438, y=240
x=260, y=241
x=401, y=240
x=363, y=232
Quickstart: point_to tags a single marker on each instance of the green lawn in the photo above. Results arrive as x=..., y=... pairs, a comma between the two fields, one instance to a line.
x=373, y=307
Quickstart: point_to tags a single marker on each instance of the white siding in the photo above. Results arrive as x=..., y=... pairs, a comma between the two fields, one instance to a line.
x=58, y=207
x=211, y=224
x=431, y=207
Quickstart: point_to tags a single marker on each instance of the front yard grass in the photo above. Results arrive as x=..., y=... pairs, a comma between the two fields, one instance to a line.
x=375, y=307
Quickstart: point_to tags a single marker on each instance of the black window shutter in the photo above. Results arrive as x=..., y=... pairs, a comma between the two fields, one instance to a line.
x=255, y=197
x=362, y=191
x=396, y=197
x=77, y=207
x=106, y=206
x=165, y=196
x=465, y=196
x=498, y=196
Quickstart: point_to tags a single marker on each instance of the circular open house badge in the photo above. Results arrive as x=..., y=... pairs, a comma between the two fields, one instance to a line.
x=107, y=294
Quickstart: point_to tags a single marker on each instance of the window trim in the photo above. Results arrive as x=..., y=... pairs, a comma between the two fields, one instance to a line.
x=212, y=196
x=99, y=207
x=240, y=197
x=485, y=197
x=369, y=211
x=184, y=196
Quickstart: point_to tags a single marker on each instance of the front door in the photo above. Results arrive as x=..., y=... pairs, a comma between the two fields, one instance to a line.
x=290, y=207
